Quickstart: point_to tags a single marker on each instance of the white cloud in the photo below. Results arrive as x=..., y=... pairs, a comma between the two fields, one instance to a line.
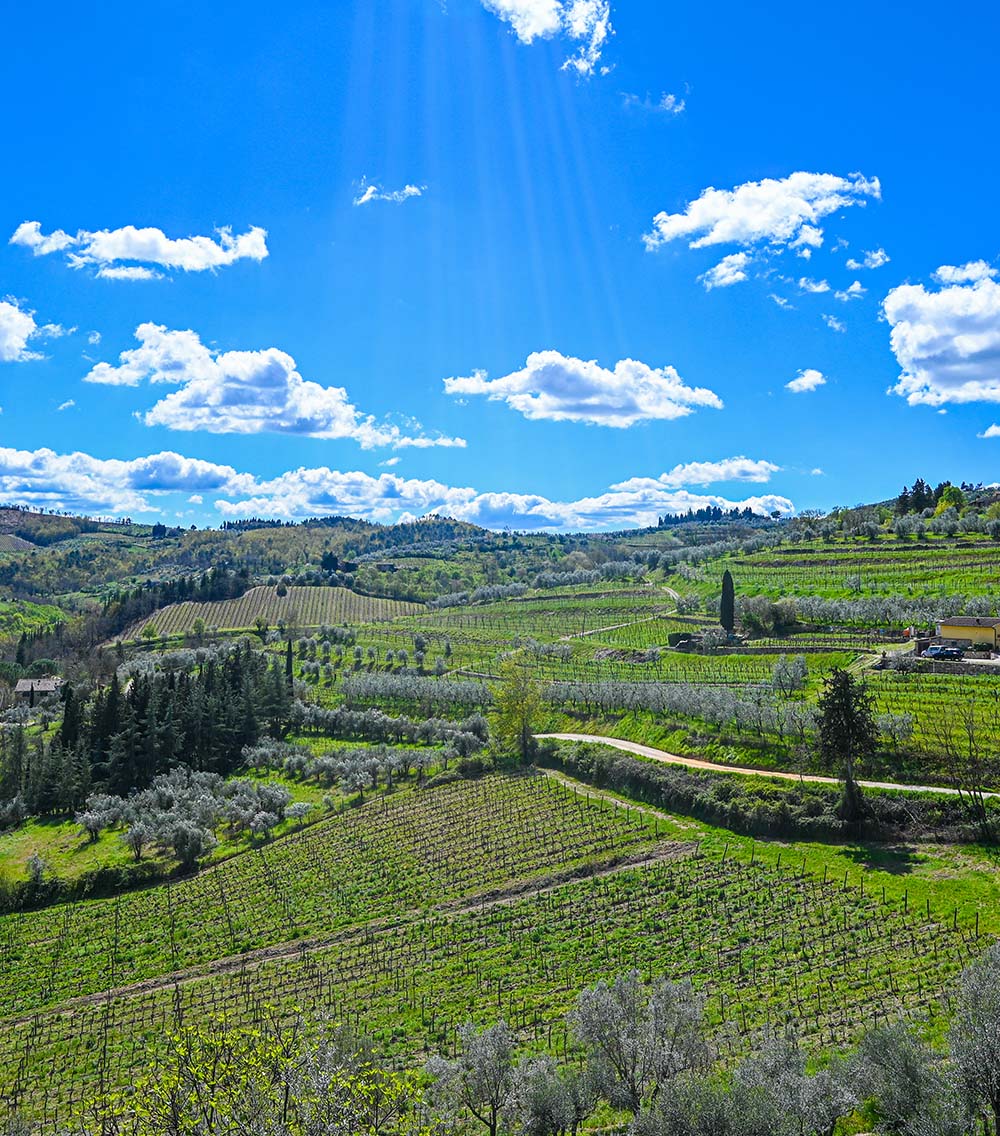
x=67, y=405
x=316, y=492
x=667, y=104
x=84, y=483
x=969, y=273
x=16, y=327
x=560, y=388
x=128, y=272
x=706, y=473
x=94, y=338
x=815, y=286
x=781, y=212
x=817, y=472
x=87, y=484
x=587, y=22
x=54, y=331
x=873, y=259
x=29, y=234
x=730, y=270
x=810, y=237
x=781, y=301
x=853, y=292
x=119, y=254
x=947, y=342
x=990, y=432
x=834, y=324
x=243, y=392
x=370, y=192
x=808, y=380
x=390, y=462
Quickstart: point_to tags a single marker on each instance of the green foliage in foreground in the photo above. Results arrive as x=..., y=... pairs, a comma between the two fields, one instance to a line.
x=643, y=1056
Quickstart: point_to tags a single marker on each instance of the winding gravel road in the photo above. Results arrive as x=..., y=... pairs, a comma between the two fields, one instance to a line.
x=697, y=763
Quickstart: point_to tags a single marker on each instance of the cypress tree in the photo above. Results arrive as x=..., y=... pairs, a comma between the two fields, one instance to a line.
x=848, y=734
x=727, y=606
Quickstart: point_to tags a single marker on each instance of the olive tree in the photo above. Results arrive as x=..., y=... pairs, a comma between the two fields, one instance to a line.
x=481, y=1079
x=637, y=1038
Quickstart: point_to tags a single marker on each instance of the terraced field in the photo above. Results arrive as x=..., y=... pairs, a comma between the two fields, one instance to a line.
x=472, y=900
x=300, y=607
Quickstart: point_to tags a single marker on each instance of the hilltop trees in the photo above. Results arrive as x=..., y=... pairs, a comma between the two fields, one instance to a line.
x=847, y=732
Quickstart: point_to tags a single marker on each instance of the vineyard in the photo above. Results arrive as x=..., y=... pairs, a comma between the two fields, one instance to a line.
x=395, y=855
x=770, y=944
x=846, y=571
x=11, y=543
x=298, y=608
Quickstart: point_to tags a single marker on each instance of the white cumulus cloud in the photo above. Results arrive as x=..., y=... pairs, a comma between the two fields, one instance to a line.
x=806, y=284
x=125, y=253
x=990, y=432
x=947, y=341
x=781, y=212
x=873, y=259
x=560, y=388
x=243, y=392
x=707, y=473
x=807, y=380
x=730, y=270
x=16, y=327
x=834, y=324
x=587, y=22
x=965, y=273
x=853, y=291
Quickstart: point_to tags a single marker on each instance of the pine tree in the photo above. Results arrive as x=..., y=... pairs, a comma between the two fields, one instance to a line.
x=727, y=606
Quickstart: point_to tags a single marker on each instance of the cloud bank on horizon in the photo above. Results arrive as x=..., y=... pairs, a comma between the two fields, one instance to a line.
x=81, y=482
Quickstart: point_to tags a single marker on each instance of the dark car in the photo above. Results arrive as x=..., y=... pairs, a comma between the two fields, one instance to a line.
x=939, y=651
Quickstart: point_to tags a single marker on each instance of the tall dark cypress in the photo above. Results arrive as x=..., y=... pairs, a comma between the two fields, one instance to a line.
x=727, y=606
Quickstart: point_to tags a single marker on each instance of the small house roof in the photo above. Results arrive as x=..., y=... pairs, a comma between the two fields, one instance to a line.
x=38, y=685
x=969, y=621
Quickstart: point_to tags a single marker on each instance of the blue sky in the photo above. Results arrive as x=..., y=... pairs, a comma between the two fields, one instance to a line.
x=538, y=263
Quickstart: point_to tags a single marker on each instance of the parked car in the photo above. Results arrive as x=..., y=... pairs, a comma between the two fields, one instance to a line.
x=939, y=651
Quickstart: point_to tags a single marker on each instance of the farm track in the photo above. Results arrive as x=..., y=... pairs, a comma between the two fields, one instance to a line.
x=712, y=767
x=465, y=905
